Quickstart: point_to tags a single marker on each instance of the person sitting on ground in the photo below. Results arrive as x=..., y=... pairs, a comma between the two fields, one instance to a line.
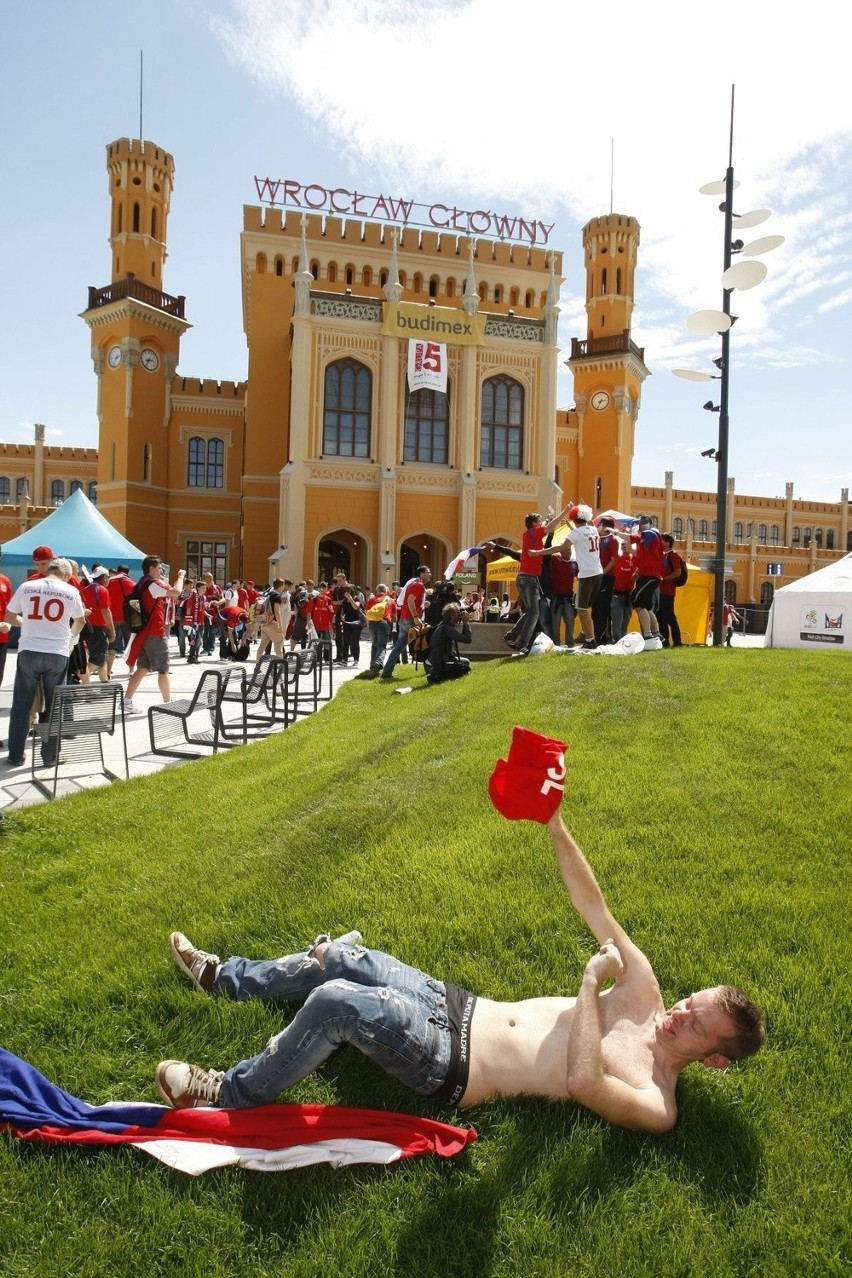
x=618, y=1051
x=444, y=661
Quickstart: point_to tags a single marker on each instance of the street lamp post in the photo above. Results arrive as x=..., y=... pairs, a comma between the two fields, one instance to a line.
x=745, y=274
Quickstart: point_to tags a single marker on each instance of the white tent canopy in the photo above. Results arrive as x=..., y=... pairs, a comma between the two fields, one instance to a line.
x=814, y=612
x=75, y=530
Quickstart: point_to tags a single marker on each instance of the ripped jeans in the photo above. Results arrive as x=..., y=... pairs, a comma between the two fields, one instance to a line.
x=394, y=1014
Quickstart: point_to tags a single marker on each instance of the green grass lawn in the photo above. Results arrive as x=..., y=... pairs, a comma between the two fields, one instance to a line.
x=710, y=791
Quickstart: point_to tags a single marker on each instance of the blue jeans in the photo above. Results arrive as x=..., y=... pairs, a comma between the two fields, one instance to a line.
x=528, y=589
x=394, y=1014
x=380, y=631
x=50, y=668
x=621, y=610
x=396, y=651
x=562, y=609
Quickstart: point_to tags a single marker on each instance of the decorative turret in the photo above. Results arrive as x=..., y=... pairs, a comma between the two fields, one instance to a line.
x=141, y=176
x=470, y=298
x=610, y=245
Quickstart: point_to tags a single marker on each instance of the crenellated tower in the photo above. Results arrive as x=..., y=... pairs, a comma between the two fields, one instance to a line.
x=141, y=175
x=135, y=345
x=608, y=367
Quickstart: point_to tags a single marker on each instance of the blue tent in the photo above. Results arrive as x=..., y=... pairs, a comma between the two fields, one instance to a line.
x=75, y=530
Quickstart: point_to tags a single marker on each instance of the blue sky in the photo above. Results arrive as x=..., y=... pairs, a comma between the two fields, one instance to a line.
x=482, y=103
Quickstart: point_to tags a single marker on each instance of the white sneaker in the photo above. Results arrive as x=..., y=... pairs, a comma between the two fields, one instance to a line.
x=185, y=1086
x=653, y=643
x=130, y=708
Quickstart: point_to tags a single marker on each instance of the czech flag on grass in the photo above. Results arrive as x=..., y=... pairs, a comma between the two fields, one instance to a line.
x=266, y=1138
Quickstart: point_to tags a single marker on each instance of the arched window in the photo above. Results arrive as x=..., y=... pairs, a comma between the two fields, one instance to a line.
x=603, y=282
x=295, y=266
x=153, y=224
x=738, y=531
x=767, y=591
x=350, y=274
x=197, y=457
x=332, y=272
x=818, y=537
x=774, y=534
x=702, y=530
x=279, y=266
x=483, y=292
x=450, y=287
x=20, y=488
x=75, y=485
x=120, y=218
x=713, y=530
x=383, y=278
x=829, y=539
x=730, y=591
x=315, y=270
x=215, y=463
x=347, y=405
x=417, y=283
x=502, y=439
x=514, y=296
x=808, y=537
x=5, y=489
x=57, y=492
x=427, y=427
x=761, y=534
x=797, y=535
x=433, y=286
x=677, y=528
x=498, y=293
x=136, y=217
x=529, y=299
x=260, y=263
x=618, y=280
x=206, y=463
x=92, y=494
x=367, y=277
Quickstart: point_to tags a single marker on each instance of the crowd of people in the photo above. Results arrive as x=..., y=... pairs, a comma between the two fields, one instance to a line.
x=74, y=624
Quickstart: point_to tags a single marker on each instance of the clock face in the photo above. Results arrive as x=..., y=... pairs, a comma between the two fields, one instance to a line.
x=600, y=401
x=150, y=360
x=114, y=356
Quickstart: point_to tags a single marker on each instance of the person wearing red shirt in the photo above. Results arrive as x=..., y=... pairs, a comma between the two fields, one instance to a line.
x=622, y=609
x=410, y=609
x=609, y=549
x=672, y=566
x=648, y=549
x=119, y=587
x=194, y=616
x=528, y=580
x=563, y=576
x=149, y=652
x=101, y=630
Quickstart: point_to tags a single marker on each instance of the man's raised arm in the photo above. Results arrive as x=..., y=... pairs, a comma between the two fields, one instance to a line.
x=588, y=900
x=645, y=1108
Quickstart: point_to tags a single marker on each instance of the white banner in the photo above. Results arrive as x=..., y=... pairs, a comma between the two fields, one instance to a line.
x=427, y=366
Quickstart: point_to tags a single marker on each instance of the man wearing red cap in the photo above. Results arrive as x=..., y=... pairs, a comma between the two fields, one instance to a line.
x=42, y=555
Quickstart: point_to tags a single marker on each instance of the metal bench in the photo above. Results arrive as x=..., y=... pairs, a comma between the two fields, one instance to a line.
x=192, y=727
x=324, y=671
x=304, y=676
x=79, y=718
x=263, y=695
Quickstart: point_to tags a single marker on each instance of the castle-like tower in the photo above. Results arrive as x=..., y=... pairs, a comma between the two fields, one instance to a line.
x=608, y=367
x=136, y=330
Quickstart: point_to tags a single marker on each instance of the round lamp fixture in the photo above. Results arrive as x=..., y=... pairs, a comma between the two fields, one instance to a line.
x=715, y=188
x=744, y=274
x=706, y=323
x=754, y=218
x=691, y=375
x=769, y=242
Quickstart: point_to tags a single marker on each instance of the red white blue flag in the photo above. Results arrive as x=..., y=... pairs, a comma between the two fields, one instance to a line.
x=456, y=565
x=265, y=1138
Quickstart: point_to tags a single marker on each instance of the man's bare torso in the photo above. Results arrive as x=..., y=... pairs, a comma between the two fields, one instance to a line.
x=522, y=1048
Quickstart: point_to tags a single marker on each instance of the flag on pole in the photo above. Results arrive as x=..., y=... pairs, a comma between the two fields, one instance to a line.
x=456, y=565
x=264, y=1138
x=427, y=366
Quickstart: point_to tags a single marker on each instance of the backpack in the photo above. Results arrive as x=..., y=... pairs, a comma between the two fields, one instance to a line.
x=419, y=639
x=377, y=611
x=443, y=592
x=135, y=616
x=683, y=576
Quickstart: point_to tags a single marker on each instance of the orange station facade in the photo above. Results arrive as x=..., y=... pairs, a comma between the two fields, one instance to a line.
x=323, y=458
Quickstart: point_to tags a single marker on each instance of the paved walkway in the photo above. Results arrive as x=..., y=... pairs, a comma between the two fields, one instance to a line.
x=16, y=786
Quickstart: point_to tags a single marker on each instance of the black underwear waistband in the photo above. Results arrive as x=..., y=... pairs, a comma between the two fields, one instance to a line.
x=460, y=1006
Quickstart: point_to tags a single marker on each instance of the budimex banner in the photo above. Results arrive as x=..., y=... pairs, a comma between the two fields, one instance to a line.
x=433, y=323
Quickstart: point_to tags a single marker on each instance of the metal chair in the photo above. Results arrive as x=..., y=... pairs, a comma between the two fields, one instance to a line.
x=80, y=716
x=179, y=728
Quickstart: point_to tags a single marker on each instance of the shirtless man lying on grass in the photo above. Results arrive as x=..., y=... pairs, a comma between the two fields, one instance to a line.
x=617, y=1051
